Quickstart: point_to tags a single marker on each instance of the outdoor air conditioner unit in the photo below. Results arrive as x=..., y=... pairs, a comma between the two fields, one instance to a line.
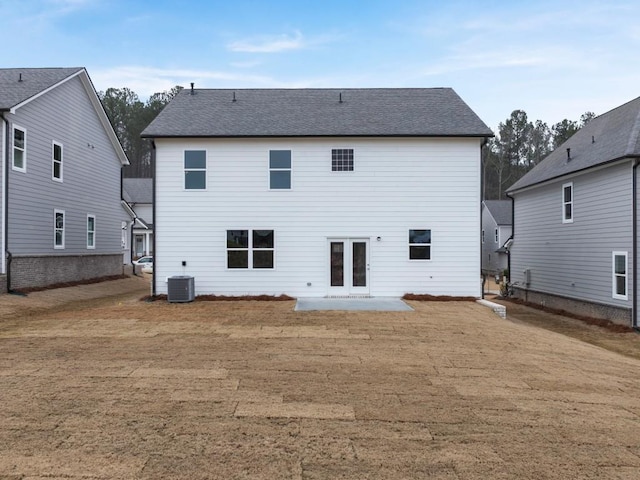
x=181, y=289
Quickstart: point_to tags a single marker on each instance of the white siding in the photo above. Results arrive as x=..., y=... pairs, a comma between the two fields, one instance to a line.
x=574, y=259
x=397, y=185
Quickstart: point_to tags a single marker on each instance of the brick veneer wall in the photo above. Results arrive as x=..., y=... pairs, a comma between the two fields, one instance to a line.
x=43, y=270
x=621, y=316
x=3, y=284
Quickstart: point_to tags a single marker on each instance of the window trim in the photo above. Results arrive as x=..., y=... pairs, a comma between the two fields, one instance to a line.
x=290, y=170
x=22, y=169
x=496, y=236
x=53, y=161
x=353, y=160
x=91, y=246
x=570, y=202
x=614, y=275
x=185, y=169
x=56, y=229
x=430, y=245
x=250, y=249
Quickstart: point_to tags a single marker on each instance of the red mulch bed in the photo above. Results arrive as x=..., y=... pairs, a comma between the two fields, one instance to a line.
x=71, y=284
x=436, y=298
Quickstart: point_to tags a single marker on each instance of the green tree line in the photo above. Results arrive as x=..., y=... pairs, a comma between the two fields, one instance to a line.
x=518, y=146
x=129, y=116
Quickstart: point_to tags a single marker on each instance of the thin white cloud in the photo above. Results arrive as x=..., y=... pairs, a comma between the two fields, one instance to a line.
x=274, y=44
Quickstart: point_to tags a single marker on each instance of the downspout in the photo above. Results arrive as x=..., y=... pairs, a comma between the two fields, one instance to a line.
x=634, y=209
x=6, y=255
x=513, y=234
x=155, y=218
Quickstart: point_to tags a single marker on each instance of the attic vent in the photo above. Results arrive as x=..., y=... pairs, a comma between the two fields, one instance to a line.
x=234, y=97
x=593, y=139
x=568, y=154
x=340, y=97
x=20, y=78
x=192, y=92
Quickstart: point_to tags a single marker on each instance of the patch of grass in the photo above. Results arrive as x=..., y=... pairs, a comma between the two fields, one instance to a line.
x=423, y=297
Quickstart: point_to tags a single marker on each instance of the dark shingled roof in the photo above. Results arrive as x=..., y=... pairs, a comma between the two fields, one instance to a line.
x=611, y=136
x=317, y=112
x=500, y=211
x=34, y=80
x=137, y=190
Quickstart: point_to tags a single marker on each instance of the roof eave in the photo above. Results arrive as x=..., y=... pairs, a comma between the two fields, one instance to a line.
x=412, y=135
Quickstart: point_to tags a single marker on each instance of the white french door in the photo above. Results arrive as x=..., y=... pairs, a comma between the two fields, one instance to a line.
x=348, y=266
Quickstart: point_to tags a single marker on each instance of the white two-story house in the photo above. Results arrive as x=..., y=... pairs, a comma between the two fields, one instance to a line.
x=318, y=192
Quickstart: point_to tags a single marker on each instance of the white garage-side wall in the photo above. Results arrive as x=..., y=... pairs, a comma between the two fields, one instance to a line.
x=397, y=185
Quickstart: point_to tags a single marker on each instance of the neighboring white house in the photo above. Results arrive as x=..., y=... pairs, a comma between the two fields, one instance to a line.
x=496, y=230
x=318, y=192
x=575, y=237
x=138, y=195
x=60, y=162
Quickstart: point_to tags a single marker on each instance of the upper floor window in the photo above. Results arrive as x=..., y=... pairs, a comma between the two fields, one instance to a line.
x=420, y=244
x=482, y=236
x=56, y=155
x=280, y=169
x=91, y=231
x=195, y=169
x=567, y=203
x=496, y=235
x=620, y=275
x=342, y=160
x=250, y=249
x=58, y=229
x=19, y=149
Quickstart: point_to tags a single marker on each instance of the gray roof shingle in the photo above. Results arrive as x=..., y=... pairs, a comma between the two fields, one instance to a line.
x=611, y=136
x=500, y=211
x=20, y=84
x=137, y=190
x=317, y=112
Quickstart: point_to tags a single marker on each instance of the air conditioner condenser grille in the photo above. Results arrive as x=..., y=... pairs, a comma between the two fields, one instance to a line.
x=181, y=289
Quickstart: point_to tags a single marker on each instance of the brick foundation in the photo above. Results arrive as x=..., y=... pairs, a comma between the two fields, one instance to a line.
x=619, y=315
x=43, y=270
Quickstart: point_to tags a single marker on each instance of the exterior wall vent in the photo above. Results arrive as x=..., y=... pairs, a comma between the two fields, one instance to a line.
x=181, y=289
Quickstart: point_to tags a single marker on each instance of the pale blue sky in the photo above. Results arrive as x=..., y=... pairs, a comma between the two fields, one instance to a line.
x=553, y=59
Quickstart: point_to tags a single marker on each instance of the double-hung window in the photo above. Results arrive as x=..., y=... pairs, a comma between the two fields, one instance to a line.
x=280, y=169
x=250, y=249
x=56, y=157
x=58, y=229
x=419, y=244
x=19, y=149
x=496, y=235
x=195, y=169
x=567, y=203
x=620, y=275
x=91, y=231
x=342, y=160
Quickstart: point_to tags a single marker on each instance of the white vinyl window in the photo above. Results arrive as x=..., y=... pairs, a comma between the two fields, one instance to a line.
x=496, y=235
x=342, y=160
x=250, y=249
x=419, y=244
x=567, y=203
x=19, y=161
x=280, y=169
x=482, y=236
x=56, y=158
x=58, y=229
x=91, y=231
x=195, y=170
x=620, y=275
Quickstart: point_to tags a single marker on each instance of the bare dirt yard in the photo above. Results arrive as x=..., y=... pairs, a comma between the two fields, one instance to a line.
x=95, y=384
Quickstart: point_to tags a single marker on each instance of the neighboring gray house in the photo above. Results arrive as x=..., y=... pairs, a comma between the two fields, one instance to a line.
x=138, y=194
x=60, y=180
x=496, y=230
x=575, y=237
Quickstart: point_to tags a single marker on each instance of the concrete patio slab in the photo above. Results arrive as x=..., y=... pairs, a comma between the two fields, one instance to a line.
x=373, y=304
